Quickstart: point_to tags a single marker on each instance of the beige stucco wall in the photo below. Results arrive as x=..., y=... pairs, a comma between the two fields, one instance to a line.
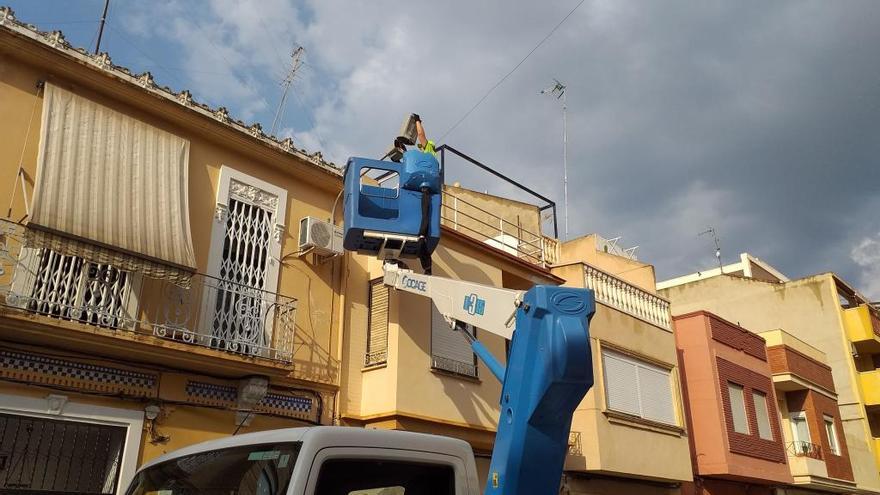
x=808, y=309
x=486, y=208
x=406, y=385
x=583, y=249
x=611, y=446
x=626, y=448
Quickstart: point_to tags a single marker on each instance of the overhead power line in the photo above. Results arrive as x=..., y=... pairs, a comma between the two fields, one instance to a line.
x=481, y=100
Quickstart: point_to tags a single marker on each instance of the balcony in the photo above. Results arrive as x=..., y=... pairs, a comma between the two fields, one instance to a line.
x=870, y=382
x=805, y=449
x=863, y=328
x=486, y=226
x=628, y=298
x=212, y=313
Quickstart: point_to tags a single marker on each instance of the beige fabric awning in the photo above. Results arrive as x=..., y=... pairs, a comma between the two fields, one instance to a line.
x=111, y=189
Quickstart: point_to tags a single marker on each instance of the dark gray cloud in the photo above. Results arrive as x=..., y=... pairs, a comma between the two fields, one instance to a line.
x=761, y=119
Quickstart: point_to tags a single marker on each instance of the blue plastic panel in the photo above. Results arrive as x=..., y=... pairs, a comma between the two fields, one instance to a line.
x=389, y=210
x=549, y=371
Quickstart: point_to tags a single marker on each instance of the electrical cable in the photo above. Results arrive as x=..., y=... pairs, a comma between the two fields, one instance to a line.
x=511, y=72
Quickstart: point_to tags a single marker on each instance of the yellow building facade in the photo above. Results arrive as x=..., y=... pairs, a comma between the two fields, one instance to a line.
x=103, y=368
x=824, y=312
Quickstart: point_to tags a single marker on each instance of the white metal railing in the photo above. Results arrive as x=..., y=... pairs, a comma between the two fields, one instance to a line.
x=493, y=229
x=627, y=298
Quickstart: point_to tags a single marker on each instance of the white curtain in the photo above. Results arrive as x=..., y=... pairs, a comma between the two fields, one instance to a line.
x=111, y=189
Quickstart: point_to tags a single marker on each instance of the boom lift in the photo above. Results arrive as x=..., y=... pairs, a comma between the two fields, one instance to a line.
x=549, y=369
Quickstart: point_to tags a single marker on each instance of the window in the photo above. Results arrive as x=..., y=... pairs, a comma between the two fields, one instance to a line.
x=738, y=408
x=831, y=431
x=762, y=415
x=799, y=429
x=450, y=350
x=377, y=323
x=245, y=470
x=375, y=477
x=45, y=455
x=638, y=388
x=245, y=246
x=67, y=287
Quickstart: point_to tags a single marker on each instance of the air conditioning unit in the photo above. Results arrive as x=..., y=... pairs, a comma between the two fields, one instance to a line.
x=319, y=236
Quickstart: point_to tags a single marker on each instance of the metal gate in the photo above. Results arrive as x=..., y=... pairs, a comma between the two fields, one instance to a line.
x=50, y=456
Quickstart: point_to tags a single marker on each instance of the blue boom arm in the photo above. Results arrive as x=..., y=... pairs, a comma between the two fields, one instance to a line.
x=549, y=370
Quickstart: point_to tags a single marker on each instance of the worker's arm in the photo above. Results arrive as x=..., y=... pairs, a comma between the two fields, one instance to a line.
x=420, y=131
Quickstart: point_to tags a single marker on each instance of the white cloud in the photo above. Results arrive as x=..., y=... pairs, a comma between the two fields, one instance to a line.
x=866, y=254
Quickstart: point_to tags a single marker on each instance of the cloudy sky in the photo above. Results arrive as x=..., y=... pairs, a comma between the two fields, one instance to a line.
x=759, y=119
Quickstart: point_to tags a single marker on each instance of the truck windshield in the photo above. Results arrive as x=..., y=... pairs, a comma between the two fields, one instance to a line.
x=245, y=470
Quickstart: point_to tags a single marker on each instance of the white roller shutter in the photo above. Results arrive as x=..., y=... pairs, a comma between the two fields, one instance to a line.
x=635, y=387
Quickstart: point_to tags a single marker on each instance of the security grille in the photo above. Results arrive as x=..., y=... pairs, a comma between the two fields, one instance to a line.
x=48, y=456
x=70, y=288
x=239, y=307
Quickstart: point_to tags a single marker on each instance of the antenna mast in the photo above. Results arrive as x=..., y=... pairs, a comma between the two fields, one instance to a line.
x=295, y=64
x=558, y=90
x=711, y=230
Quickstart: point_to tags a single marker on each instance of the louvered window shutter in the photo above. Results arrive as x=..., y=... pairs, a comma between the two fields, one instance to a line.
x=377, y=328
x=633, y=386
x=621, y=384
x=450, y=351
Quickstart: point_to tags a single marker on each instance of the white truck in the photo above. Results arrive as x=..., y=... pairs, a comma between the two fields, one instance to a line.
x=319, y=460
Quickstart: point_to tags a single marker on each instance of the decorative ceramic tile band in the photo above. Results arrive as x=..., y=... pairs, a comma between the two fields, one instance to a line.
x=211, y=393
x=85, y=376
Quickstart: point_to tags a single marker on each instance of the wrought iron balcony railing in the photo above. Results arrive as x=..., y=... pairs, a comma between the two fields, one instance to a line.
x=212, y=312
x=628, y=298
x=805, y=449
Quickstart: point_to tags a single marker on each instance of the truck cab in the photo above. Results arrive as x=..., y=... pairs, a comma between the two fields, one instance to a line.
x=320, y=460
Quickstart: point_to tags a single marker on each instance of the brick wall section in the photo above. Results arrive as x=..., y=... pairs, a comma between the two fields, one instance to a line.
x=875, y=323
x=817, y=406
x=784, y=359
x=752, y=444
x=737, y=337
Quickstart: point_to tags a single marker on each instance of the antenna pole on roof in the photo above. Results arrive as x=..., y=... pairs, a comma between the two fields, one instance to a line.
x=101, y=26
x=711, y=230
x=558, y=90
x=295, y=64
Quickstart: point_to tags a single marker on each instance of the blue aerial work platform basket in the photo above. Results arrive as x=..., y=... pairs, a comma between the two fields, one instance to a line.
x=385, y=221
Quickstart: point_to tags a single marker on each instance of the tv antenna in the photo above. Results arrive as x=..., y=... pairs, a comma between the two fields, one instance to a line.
x=558, y=90
x=711, y=230
x=295, y=64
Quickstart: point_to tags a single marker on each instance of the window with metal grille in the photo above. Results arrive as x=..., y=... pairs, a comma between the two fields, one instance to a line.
x=50, y=456
x=638, y=388
x=377, y=323
x=450, y=350
x=243, y=261
x=67, y=287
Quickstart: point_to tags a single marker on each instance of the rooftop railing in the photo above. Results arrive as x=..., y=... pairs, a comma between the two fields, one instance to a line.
x=497, y=231
x=214, y=313
x=628, y=298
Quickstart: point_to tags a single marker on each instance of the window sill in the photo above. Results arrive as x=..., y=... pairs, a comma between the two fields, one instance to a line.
x=452, y=374
x=376, y=366
x=645, y=424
